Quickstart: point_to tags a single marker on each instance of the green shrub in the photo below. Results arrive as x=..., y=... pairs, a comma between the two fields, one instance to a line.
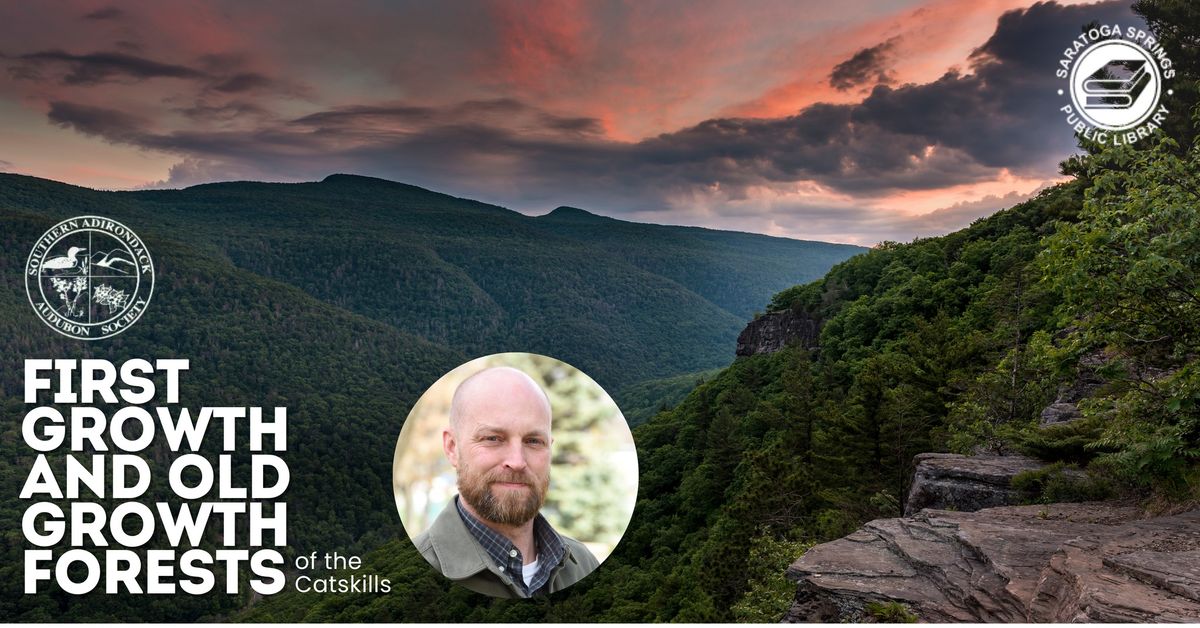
x=769, y=593
x=1072, y=442
x=1060, y=483
x=891, y=613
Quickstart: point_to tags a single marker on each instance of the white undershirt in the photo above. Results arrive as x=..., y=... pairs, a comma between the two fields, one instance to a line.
x=528, y=571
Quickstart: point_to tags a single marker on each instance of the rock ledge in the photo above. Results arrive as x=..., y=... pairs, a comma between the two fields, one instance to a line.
x=1089, y=562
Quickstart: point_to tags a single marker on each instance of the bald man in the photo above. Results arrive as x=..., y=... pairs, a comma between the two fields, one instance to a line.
x=492, y=538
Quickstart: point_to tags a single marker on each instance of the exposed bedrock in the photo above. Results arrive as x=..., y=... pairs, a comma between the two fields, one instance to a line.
x=966, y=483
x=1090, y=562
x=774, y=331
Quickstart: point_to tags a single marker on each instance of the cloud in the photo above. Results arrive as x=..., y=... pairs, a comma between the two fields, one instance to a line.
x=198, y=171
x=839, y=220
x=359, y=115
x=961, y=129
x=867, y=66
x=107, y=13
x=109, y=124
x=828, y=167
x=242, y=82
x=96, y=67
x=231, y=111
x=847, y=148
x=947, y=219
x=579, y=124
x=535, y=38
x=223, y=74
x=502, y=117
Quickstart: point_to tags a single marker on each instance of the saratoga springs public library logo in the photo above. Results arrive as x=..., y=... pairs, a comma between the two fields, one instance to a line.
x=1115, y=80
x=89, y=277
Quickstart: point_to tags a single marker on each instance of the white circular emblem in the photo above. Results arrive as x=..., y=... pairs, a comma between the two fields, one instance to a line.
x=89, y=277
x=1115, y=85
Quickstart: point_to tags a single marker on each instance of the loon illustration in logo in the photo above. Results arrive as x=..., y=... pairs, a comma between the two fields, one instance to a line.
x=89, y=277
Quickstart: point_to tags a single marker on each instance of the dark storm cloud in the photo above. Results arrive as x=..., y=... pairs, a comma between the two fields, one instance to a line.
x=107, y=13
x=96, y=67
x=842, y=146
x=867, y=66
x=957, y=129
x=1005, y=112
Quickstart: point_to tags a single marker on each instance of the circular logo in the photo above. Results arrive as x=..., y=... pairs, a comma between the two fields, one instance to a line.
x=89, y=277
x=1115, y=85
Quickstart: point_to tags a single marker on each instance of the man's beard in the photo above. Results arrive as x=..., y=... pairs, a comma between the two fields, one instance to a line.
x=512, y=507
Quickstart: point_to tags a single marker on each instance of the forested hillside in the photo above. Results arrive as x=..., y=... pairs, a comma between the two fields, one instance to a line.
x=784, y=448
x=728, y=268
x=641, y=401
x=623, y=301
x=347, y=382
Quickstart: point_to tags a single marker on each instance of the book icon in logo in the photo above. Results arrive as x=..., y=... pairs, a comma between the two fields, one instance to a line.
x=1116, y=85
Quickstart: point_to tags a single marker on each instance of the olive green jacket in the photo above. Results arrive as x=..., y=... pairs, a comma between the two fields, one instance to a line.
x=451, y=549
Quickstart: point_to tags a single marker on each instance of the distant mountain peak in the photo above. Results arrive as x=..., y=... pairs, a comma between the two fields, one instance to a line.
x=358, y=179
x=574, y=213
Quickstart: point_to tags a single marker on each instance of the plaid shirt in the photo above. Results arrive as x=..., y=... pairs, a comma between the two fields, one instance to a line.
x=507, y=557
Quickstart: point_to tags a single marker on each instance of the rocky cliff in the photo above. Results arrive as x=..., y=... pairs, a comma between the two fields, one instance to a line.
x=961, y=556
x=771, y=332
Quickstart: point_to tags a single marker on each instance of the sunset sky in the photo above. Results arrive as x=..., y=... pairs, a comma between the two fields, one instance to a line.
x=846, y=121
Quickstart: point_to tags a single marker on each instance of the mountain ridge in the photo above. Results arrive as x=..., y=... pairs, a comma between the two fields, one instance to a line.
x=462, y=273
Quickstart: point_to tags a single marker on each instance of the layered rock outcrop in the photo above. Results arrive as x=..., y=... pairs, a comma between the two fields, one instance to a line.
x=774, y=331
x=1089, y=562
x=965, y=483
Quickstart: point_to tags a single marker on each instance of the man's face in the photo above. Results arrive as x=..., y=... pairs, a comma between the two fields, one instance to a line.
x=501, y=448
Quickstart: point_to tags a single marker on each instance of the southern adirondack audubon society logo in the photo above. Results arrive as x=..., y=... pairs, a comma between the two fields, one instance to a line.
x=1115, y=80
x=89, y=277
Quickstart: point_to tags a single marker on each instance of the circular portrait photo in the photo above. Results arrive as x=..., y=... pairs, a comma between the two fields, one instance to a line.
x=515, y=475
